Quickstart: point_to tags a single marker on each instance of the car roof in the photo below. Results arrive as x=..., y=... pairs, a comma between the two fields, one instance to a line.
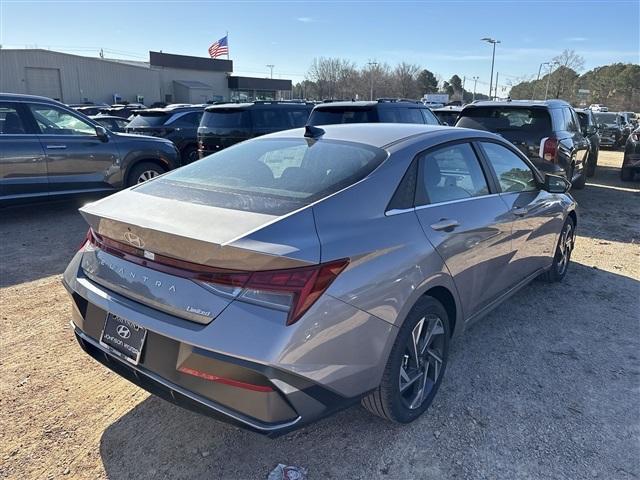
x=106, y=117
x=450, y=108
x=554, y=103
x=381, y=102
x=195, y=108
x=22, y=97
x=383, y=134
x=257, y=104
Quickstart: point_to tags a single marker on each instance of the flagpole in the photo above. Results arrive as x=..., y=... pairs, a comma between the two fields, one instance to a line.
x=227, y=35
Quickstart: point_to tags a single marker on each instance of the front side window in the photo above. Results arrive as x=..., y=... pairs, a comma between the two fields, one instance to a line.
x=400, y=115
x=269, y=119
x=11, y=122
x=272, y=176
x=431, y=119
x=55, y=121
x=569, y=120
x=514, y=175
x=191, y=119
x=297, y=118
x=450, y=173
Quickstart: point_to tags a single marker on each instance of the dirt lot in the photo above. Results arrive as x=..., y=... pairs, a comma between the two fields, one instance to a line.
x=547, y=386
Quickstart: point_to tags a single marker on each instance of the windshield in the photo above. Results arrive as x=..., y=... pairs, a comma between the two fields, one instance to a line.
x=272, y=176
x=606, y=117
x=332, y=116
x=503, y=119
x=149, y=119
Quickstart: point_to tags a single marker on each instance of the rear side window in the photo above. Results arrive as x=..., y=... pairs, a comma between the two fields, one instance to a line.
x=11, y=122
x=503, y=119
x=272, y=176
x=400, y=115
x=450, y=173
x=269, y=118
x=226, y=118
x=297, y=118
x=191, y=119
x=431, y=119
x=332, y=116
x=149, y=119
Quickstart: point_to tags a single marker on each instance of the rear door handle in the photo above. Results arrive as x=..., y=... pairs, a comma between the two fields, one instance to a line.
x=520, y=212
x=56, y=147
x=445, y=224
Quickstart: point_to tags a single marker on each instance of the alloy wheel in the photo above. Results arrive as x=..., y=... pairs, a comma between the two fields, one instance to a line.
x=565, y=247
x=147, y=175
x=421, y=361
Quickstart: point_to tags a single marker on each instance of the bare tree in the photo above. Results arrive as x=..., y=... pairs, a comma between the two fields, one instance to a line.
x=569, y=64
x=405, y=78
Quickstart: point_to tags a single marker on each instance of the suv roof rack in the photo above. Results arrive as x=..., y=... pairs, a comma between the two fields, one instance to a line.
x=394, y=100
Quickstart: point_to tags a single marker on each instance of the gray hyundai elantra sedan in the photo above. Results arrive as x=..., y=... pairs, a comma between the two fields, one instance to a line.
x=295, y=274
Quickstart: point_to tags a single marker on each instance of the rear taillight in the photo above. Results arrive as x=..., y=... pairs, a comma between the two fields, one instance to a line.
x=292, y=290
x=548, y=149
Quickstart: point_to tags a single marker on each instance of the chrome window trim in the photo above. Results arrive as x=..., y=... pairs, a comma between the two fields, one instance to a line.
x=399, y=211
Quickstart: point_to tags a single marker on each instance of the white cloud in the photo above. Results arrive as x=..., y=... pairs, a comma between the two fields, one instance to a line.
x=305, y=19
x=576, y=39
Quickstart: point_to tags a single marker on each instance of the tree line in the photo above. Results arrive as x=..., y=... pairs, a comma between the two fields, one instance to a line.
x=341, y=79
x=617, y=85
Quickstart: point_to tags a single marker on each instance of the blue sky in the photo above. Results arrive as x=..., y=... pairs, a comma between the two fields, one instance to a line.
x=441, y=36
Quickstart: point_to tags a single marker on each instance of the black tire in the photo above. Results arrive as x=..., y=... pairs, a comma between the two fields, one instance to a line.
x=139, y=170
x=559, y=267
x=626, y=174
x=387, y=401
x=592, y=163
x=189, y=154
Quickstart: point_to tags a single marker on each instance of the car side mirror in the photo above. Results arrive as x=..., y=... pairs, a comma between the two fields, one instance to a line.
x=101, y=133
x=556, y=184
x=591, y=129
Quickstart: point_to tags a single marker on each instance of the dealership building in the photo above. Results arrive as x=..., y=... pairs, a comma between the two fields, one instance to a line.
x=164, y=78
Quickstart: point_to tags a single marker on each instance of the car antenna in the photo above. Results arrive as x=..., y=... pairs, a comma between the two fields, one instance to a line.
x=313, y=132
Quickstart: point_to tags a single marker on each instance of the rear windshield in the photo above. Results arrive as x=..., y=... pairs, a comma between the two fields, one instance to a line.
x=449, y=117
x=333, y=116
x=503, y=119
x=606, y=117
x=149, y=119
x=225, y=118
x=272, y=176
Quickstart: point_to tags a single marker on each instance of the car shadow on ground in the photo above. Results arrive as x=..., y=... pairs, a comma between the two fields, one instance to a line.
x=525, y=391
x=38, y=240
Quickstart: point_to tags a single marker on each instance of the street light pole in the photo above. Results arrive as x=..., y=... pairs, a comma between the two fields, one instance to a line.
x=371, y=65
x=475, y=81
x=533, y=94
x=493, y=59
x=271, y=67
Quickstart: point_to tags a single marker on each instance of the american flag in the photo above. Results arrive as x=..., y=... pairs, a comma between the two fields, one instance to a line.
x=219, y=48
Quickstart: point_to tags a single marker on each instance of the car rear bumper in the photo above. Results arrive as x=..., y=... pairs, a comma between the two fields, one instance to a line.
x=244, y=367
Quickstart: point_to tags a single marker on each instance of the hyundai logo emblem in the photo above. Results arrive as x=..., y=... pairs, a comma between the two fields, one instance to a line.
x=123, y=331
x=134, y=239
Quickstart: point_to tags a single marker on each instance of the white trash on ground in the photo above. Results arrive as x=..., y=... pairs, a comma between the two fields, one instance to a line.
x=287, y=472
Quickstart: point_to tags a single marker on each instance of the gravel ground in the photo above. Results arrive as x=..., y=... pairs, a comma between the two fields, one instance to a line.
x=547, y=386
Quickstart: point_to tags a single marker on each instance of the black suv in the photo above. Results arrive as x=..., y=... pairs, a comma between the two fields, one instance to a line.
x=229, y=123
x=611, y=128
x=178, y=124
x=48, y=150
x=589, y=128
x=548, y=132
x=383, y=110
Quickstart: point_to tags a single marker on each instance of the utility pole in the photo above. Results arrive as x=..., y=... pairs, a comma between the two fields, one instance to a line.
x=495, y=96
x=533, y=94
x=270, y=66
x=475, y=82
x=464, y=79
x=493, y=59
x=546, y=91
x=371, y=65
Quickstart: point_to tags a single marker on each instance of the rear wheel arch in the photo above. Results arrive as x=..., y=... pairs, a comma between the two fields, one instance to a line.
x=448, y=301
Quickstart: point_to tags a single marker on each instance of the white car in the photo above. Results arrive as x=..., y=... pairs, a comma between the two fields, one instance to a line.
x=598, y=108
